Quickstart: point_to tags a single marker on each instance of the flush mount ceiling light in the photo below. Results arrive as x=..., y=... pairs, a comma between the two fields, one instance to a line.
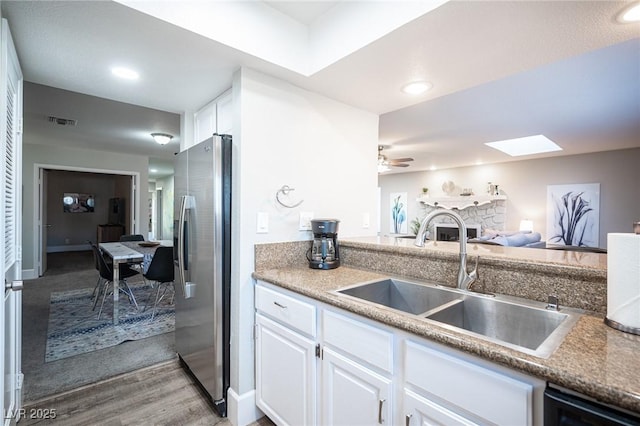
x=630, y=14
x=161, y=138
x=525, y=146
x=416, y=87
x=125, y=73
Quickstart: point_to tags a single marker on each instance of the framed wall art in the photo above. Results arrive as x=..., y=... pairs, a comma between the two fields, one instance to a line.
x=398, y=224
x=72, y=202
x=573, y=214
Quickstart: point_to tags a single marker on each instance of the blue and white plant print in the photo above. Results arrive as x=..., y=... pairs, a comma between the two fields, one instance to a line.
x=398, y=213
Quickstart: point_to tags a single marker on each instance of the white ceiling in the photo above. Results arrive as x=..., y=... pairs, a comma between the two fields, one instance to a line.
x=305, y=12
x=500, y=70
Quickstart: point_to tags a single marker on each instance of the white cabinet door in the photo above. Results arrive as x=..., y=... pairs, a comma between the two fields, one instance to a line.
x=353, y=395
x=419, y=411
x=205, y=123
x=285, y=374
x=225, y=114
x=489, y=395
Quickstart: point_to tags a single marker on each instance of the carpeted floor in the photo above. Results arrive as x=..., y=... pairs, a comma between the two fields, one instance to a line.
x=71, y=271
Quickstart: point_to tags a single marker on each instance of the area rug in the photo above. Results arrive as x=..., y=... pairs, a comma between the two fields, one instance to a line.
x=74, y=328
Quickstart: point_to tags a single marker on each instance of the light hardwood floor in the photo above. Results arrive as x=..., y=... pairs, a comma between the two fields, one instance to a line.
x=163, y=394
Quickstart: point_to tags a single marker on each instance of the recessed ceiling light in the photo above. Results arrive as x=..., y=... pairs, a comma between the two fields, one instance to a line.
x=416, y=87
x=525, y=146
x=630, y=14
x=126, y=73
x=153, y=170
x=433, y=168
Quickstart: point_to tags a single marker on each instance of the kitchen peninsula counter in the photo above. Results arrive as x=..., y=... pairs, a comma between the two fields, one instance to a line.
x=593, y=359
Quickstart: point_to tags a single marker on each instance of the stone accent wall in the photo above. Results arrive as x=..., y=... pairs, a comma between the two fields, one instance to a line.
x=489, y=216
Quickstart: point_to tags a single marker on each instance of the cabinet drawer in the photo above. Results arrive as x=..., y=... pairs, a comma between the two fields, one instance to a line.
x=295, y=313
x=360, y=340
x=492, y=396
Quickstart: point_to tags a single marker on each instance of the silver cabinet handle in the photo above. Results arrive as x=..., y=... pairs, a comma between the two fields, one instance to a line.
x=279, y=305
x=380, y=420
x=407, y=420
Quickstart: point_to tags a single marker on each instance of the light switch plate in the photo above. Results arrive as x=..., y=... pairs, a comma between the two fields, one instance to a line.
x=262, y=223
x=305, y=221
x=365, y=220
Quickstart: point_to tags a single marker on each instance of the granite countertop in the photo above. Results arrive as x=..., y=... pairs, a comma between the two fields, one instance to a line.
x=593, y=262
x=593, y=359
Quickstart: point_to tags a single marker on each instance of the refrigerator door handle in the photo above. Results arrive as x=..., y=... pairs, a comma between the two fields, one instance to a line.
x=186, y=203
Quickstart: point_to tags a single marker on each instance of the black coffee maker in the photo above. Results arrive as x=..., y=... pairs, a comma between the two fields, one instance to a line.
x=324, y=253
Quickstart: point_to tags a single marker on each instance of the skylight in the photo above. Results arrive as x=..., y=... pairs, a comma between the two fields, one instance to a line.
x=125, y=73
x=525, y=146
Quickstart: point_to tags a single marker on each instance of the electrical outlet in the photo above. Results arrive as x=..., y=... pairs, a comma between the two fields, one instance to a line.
x=305, y=221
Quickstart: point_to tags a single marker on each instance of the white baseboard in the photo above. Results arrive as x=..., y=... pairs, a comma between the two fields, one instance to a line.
x=29, y=274
x=241, y=409
x=59, y=249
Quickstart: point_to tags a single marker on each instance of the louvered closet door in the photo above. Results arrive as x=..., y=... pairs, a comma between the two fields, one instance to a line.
x=10, y=215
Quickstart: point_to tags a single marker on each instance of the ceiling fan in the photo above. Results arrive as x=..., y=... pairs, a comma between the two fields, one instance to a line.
x=385, y=163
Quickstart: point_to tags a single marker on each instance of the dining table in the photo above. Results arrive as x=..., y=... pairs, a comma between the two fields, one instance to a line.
x=128, y=252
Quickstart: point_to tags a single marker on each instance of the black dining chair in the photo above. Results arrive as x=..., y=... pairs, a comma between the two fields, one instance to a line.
x=132, y=237
x=106, y=274
x=161, y=271
x=97, y=290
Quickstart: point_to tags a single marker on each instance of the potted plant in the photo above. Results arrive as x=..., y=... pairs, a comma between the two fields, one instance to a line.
x=415, y=226
x=425, y=192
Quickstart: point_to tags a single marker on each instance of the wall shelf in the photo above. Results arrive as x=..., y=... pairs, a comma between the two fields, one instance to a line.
x=460, y=202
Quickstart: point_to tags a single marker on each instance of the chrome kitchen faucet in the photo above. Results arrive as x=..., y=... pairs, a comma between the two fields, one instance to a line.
x=465, y=279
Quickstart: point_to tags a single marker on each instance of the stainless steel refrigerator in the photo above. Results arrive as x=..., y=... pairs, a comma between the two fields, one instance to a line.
x=202, y=253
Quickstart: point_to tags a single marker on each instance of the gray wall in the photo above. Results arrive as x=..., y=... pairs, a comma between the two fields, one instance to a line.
x=525, y=184
x=68, y=157
x=73, y=229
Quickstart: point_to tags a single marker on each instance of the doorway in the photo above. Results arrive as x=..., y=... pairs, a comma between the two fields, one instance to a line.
x=59, y=230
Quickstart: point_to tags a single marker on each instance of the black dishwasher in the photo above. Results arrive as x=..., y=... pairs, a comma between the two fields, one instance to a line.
x=564, y=409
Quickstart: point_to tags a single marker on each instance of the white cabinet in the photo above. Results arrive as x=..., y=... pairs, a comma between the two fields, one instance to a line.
x=353, y=395
x=205, y=123
x=419, y=411
x=476, y=393
x=215, y=117
x=355, y=382
x=357, y=372
x=285, y=374
x=369, y=373
x=286, y=363
x=224, y=114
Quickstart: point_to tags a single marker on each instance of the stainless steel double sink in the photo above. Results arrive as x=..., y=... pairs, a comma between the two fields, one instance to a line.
x=520, y=324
